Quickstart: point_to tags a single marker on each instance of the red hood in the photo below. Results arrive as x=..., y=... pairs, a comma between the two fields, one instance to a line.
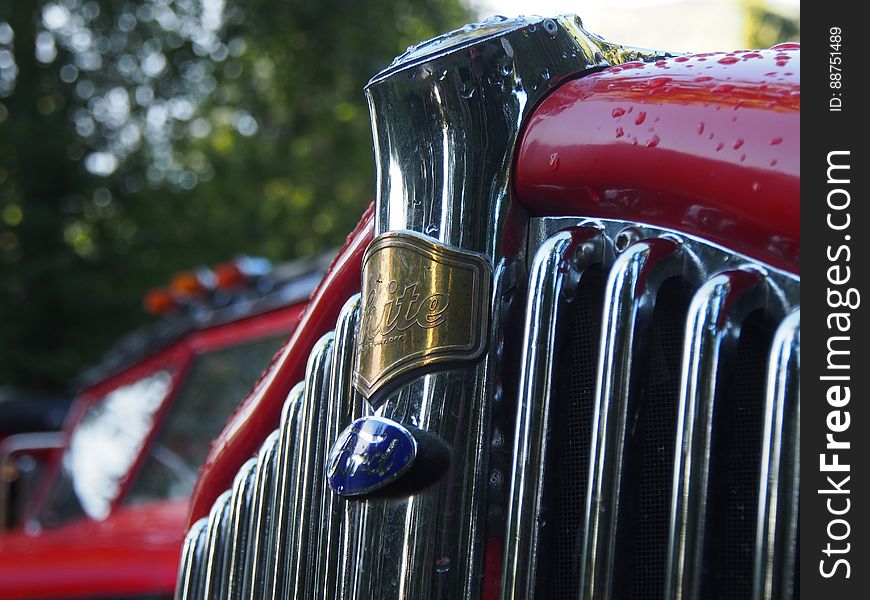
x=706, y=144
x=135, y=551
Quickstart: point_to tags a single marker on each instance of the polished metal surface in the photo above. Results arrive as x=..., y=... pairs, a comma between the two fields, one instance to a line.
x=445, y=120
x=285, y=496
x=776, y=546
x=628, y=301
x=191, y=571
x=262, y=521
x=729, y=287
x=336, y=515
x=425, y=306
x=306, y=474
x=715, y=314
x=241, y=504
x=218, y=549
x=446, y=116
x=556, y=271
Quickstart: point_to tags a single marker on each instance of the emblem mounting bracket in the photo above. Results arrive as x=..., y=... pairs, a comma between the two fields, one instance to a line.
x=425, y=305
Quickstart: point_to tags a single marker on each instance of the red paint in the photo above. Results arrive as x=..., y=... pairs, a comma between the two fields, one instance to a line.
x=177, y=358
x=259, y=413
x=133, y=552
x=707, y=144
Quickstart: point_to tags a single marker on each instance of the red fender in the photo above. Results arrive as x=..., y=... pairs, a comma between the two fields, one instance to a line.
x=706, y=144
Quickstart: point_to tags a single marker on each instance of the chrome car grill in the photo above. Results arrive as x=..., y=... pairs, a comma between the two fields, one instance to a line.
x=625, y=433
x=277, y=533
x=599, y=290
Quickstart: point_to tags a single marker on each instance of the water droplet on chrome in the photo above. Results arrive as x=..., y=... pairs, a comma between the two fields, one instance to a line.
x=442, y=564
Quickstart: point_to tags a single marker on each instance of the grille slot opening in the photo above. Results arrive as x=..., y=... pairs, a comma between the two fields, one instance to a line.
x=572, y=427
x=648, y=475
x=738, y=425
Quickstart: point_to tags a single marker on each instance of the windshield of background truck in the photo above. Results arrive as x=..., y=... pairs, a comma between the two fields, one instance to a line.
x=105, y=445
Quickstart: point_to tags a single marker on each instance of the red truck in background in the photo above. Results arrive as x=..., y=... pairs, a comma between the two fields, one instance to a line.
x=107, y=517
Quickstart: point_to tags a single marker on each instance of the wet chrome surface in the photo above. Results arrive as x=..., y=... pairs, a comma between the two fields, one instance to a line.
x=556, y=270
x=776, y=551
x=445, y=120
x=729, y=287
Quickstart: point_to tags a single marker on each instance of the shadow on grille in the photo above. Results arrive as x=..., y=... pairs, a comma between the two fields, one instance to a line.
x=577, y=363
x=649, y=467
x=734, y=472
x=650, y=447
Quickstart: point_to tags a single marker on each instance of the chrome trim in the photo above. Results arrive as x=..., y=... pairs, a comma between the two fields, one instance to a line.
x=262, y=556
x=631, y=286
x=306, y=473
x=445, y=119
x=696, y=262
x=714, y=319
x=337, y=516
x=775, y=552
x=191, y=575
x=218, y=549
x=242, y=503
x=286, y=496
x=447, y=113
x=556, y=271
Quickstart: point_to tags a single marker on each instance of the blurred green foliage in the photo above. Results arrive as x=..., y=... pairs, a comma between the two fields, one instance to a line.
x=764, y=26
x=138, y=139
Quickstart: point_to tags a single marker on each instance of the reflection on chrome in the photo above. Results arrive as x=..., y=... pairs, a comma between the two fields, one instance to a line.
x=109, y=438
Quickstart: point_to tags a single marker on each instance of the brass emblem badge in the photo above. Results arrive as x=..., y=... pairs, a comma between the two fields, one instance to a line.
x=423, y=304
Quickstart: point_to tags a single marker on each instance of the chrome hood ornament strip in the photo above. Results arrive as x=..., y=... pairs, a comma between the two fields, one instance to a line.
x=446, y=116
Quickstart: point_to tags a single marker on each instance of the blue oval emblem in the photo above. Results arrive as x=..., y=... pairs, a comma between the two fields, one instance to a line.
x=368, y=455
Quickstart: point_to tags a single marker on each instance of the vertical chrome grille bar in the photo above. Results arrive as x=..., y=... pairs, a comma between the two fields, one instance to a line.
x=287, y=441
x=338, y=517
x=631, y=287
x=217, y=548
x=306, y=473
x=261, y=563
x=242, y=510
x=780, y=469
x=556, y=271
x=711, y=320
x=191, y=570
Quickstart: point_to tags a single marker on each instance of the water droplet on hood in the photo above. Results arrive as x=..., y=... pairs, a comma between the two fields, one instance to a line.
x=554, y=161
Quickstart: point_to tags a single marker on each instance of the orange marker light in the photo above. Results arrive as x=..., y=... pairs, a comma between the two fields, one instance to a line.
x=229, y=276
x=158, y=302
x=184, y=285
